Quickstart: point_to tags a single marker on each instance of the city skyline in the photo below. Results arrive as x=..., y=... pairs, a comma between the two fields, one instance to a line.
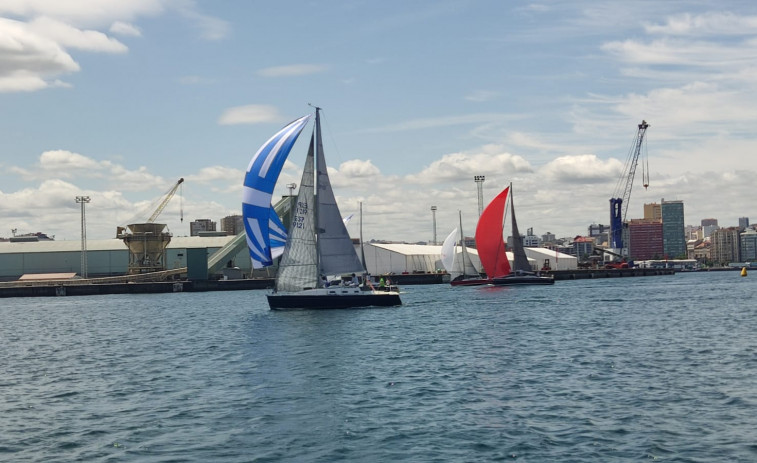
x=118, y=102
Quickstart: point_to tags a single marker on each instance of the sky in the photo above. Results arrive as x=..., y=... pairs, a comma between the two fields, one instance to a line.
x=118, y=100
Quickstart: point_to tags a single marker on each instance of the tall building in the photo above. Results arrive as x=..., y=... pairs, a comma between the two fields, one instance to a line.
x=548, y=237
x=725, y=245
x=201, y=225
x=531, y=240
x=673, y=233
x=583, y=247
x=232, y=224
x=708, y=226
x=748, y=245
x=694, y=232
x=645, y=239
x=652, y=211
x=743, y=223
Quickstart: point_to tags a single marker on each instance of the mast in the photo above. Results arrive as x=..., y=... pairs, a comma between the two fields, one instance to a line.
x=362, y=248
x=318, y=156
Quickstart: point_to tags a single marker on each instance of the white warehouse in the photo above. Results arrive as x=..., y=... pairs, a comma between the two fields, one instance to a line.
x=381, y=258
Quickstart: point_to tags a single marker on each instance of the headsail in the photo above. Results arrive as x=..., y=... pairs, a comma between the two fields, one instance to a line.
x=489, y=241
x=266, y=234
x=448, y=253
x=298, y=268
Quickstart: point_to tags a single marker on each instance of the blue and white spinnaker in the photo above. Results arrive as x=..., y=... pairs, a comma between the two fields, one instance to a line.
x=266, y=235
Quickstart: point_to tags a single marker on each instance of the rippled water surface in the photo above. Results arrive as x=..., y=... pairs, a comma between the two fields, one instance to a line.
x=655, y=368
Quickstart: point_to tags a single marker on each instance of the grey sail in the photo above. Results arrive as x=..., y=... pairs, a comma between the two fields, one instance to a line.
x=520, y=261
x=298, y=268
x=337, y=254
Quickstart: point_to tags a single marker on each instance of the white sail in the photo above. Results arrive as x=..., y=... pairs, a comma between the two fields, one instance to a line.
x=298, y=268
x=448, y=253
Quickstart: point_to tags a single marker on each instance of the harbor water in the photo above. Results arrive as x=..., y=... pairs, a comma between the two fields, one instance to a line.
x=634, y=369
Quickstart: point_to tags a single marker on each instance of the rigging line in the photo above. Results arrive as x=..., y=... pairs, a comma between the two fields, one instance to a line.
x=324, y=122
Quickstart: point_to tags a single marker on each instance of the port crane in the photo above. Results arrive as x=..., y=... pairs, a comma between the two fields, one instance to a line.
x=622, y=196
x=167, y=197
x=163, y=202
x=147, y=241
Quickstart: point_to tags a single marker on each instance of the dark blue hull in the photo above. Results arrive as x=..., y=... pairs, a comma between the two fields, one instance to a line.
x=347, y=301
x=522, y=280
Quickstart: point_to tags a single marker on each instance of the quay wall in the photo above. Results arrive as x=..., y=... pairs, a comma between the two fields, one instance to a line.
x=83, y=288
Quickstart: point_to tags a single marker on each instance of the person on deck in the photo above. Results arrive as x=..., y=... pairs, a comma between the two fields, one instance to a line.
x=354, y=281
x=382, y=283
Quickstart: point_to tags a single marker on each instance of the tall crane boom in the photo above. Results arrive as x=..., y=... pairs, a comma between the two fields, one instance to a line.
x=619, y=203
x=169, y=194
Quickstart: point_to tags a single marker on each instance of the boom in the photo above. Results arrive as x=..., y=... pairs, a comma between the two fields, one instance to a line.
x=165, y=200
x=619, y=203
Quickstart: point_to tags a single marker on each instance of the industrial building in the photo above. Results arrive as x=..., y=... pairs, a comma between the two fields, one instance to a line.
x=104, y=257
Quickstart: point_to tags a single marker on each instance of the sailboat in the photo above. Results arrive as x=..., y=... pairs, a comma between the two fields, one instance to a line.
x=462, y=270
x=492, y=250
x=318, y=246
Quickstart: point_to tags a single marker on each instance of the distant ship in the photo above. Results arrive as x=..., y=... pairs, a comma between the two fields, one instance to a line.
x=28, y=237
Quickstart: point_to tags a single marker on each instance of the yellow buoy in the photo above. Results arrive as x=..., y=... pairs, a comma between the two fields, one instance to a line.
x=743, y=271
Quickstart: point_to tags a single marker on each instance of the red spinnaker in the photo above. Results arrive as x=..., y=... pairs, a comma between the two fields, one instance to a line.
x=489, y=241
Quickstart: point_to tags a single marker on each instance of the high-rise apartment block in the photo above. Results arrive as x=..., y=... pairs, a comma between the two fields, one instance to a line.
x=725, y=245
x=201, y=225
x=232, y=224
x=652, y=211
x=708, y=226
x=673, y=233
x=645, y=239
x=748, y=245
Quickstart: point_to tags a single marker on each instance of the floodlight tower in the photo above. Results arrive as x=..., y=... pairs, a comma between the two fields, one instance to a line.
x=83, y=200
x=479, y=179
x=433, y=215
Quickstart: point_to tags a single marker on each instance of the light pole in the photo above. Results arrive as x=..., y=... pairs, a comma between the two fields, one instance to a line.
x=83, y=200
x=433, y=215
x=479, y=179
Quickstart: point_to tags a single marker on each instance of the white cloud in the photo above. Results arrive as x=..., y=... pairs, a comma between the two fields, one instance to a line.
x=211, y=28
x=122, y=28
x=292, y=70
x=250, y=114
x=63, y=164
x=34, y=51
x=71, y=37
x=710, y=23
x=582, y=169
x=219, y=179
x=86, y=13
x=28, y=60
x=492, y=160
